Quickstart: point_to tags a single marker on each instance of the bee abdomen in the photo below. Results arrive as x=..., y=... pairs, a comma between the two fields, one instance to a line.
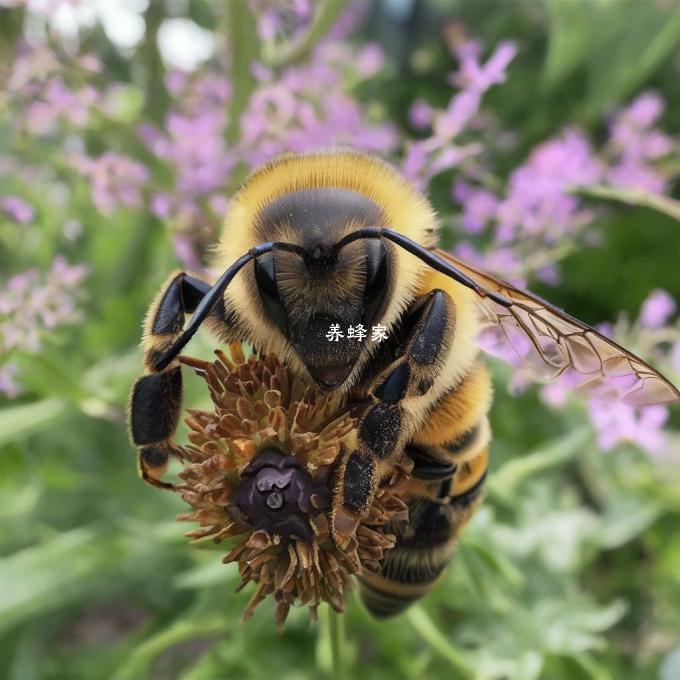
x=425, y=543
x=424, y=547
x=384, y=597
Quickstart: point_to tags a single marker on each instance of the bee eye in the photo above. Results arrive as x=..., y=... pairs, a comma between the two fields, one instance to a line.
x=265, y=277
x=376, y=278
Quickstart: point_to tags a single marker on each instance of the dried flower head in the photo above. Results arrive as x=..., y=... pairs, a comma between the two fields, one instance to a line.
x=260, y=468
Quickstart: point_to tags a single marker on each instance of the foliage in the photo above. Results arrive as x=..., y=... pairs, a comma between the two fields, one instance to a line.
x=550, y=151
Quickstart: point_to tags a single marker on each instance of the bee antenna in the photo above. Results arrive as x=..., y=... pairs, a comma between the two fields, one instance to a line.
x=422, y=253
x=215, y=293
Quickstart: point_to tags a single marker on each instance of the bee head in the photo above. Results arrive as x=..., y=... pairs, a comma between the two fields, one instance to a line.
x=288, y=301
x=315, y=296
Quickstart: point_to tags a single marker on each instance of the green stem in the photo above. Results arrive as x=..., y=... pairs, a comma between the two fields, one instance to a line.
x=156, y=97
x=336, y=631
x=634, y=197
x=243, y=50
x=326, y=14
x=427, y=630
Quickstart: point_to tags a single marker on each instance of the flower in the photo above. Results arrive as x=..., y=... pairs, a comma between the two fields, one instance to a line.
x=17, y=209
x=427, y=158
x=616, y=422
x=537, y=201
x=420, y=114
x=304, y=107
x=260, y=469
x=479, y=206
x=116, y=180
x=476, y=77
x=8, y=383
x=634, y=143
x=657, y=309
x=31, y=305
x=675, y=357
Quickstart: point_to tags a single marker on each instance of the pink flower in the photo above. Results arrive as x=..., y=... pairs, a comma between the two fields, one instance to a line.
x=644, y=111
x=8, y=380
x=538, y=202
x=269, y=24
x=161, y=205
x=115, y=180
x=17, y=209
x=634, y=143
x=555, y=394
x=657, y=309
x=675, y=357
x=479, y=206
x=32, y=304
x=478, y=77
x=370, y=60
x=615, y=423
x=420, y=115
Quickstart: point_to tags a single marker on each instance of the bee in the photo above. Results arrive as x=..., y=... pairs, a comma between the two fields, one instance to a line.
x=339, y=237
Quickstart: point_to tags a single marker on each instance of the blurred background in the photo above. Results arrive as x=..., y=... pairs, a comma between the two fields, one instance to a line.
x=545, y=133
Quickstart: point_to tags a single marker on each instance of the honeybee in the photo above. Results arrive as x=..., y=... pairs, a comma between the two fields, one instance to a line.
x=341, y=238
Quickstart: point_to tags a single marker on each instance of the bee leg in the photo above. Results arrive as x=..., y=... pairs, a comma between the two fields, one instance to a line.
x=398, y=395
x=156, y=398
x=445, y=490
x=450, y=452
x=152, y=463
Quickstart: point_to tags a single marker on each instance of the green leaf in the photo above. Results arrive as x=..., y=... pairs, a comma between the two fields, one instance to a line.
x=572, y=30
x=626, y=525
x=47, y=576
x=638, y=38
x=429, y=632
x=17, y=422
x=504, y=482
x=209, y=574
x=140, y=659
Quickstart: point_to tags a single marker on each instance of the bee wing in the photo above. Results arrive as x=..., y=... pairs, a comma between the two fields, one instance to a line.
x=552, y=343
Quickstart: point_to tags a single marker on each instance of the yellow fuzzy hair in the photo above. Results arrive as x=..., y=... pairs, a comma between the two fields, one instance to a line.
x=406, y=210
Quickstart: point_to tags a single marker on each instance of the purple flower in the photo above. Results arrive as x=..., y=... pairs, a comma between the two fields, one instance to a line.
x=460, y=111
x=657, y=309
x=8, y=380
x=615, y=423
x=633, y=175
x=115, y=180
x=634, y=143
x=161, y=205
x=501, y=260
x=17, y=209
x=675, y=357
x=269, y=24
x=537, y=201
x=349, y=20
x=31, y=304
x=439, y=152
x=555, y=394
x=370, y=60
x=185, y=250
x=420, y=114
x=477, y=77
x=644, y=111
x=479, y=207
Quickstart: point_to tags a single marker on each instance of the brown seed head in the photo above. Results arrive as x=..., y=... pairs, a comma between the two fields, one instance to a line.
x=259, y=469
